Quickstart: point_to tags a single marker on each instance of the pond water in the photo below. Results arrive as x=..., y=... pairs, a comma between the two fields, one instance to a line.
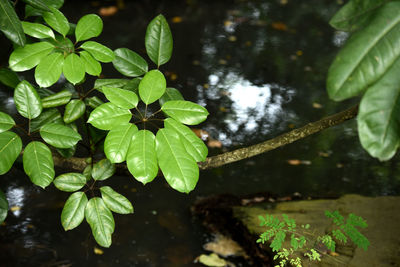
x=259, y=67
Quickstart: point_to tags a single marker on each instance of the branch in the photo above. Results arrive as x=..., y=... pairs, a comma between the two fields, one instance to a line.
x=79, y=164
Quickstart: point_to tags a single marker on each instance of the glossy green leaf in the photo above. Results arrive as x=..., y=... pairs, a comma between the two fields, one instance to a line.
x=115, y=201
x=152, y=86
x=10, y=147
x=133, y=85
x=108, y=115
x=120, y=97
x=158, y=40
x=49, y=69
x=92, y=66
x=74, y=68
x=62, y=44
x=46, y=117
x=32, y=11
x=102, y=170
x=74, y=110
x=70, y=182
x=185, y=111
x=193, y=145
x=367, y=55
x=57, y=21
x=117, y=142
x=27, y=57
x=179, y=168
x=38, y=163
x=3, y=207
x=101, y=221
x=169, y=95
x=10, y=24
x=73, y=212
x=38, y=4
x=129, y=63
x=56, y=100
x=68, y=152
x=141, y=158
x=98, y=51
x=356, y=14
x=6, y=122
x=27, y=100
x=37, y=30
x=93, y=102
x=88, y=26
x=378, y=117
x=59, y=136
x=9, y=77
x=87, y=172
x=118, y=83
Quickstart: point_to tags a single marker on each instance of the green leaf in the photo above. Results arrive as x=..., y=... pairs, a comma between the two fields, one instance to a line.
x=102, y=170
x=37, y=30
x=74, y=68
x=356, y=14
x=378, y=117
x=62, y=44
x=108, y=115
x=87, y=172
x=129, y=63
x=117, y=142
x=74, y=110
x=101, y=221
x=27, y=57
x=133, y=85
x=38, y=4
x=367, y=55
x=170, y=94
x=68, y=152
x=88, y=26
x=46, y=117
x=27, y=100
x=185, y=111
x=6, y=122
x=158, y=40
x=59, y=136
x=57, y=21
x=115, y=201
x=49, y=69
x=38, y=163
x=179, y=168
x=3, y=207
x=92, y=66
x=193, y=145
x=32, y=11
x=121, y=98
x=98, y=51
x=10, y=147
x=152, y=86
x=141, y=158
x=10, y=24
x=9, y=77
x=73, y=212
x=56, y=100
x=93, y=101
x=118, y=83
x=70, y=182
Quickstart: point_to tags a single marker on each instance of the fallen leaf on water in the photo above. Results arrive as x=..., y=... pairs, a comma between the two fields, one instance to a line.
x=232, y=38
x=280, y=26
x=30, y=226
x=108, y=11
x=339, y=165
x=324, y=154
x=214, y=143
x=316, y=105
x=173, y=77
x=15, y=208
x=176, y=19
x=223, y=109
x=211, y=260
x=295, y=162
x=206, y=86
x=98, y=251
x=333, y=253
x=291, y=125
x=196, y=62
x=224, y=246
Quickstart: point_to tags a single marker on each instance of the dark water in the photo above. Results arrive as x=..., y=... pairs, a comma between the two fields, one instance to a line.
x=258, y=67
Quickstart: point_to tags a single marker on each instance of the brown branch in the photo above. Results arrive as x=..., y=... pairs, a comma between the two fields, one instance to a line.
x=284, y=139
x=79, y=164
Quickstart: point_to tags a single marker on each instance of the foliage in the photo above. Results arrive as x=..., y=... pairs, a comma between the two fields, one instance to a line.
x=303, y=241
x=114, y=111
x=368, y=64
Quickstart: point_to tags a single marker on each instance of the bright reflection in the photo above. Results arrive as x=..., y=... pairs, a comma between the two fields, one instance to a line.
x=16, y=197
